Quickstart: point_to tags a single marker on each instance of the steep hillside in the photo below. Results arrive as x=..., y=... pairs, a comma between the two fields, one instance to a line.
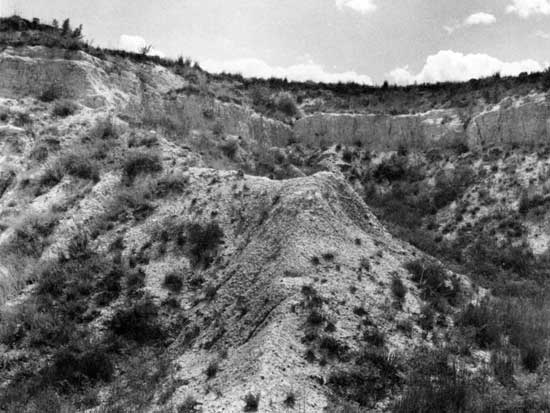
x=176, y=241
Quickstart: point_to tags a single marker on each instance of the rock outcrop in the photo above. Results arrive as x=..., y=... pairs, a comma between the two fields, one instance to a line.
x=519, y=121
x=382, y=132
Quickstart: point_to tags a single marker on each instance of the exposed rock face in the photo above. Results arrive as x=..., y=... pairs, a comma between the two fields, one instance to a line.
x=133, y=89
x=513, y=121
x=94, y=82
x=382, y=132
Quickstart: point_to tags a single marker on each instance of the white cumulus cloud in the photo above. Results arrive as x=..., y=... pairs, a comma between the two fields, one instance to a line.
x=480, y=18
x=527, y=8
x=252, y=67
x=542, y=34
x=448, y=65
x=135, y=44
x=476, y=19
x=362, y=6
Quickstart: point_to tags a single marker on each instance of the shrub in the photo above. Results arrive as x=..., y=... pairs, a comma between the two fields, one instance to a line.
x=80, y=166
x=138, y=323
x=75, y=164
x=432, y=280
x=333, y=347
x=482, y=318
x=368, y=380
x=528, y=202
x=290, y=400
x=203, y=241
x=285, y=103
x=315, y=318
x=51, y=92
x=30, y=234
x=251, y=402
x=392, y=169
x=104, y=129
x=436, y=385
x=398, y=288
x=520, y=323
x=189, y=405
x=64, y=108
x=374, y=337
x=128, y=203
x=78, y=368
x=173, y=183
x=173, y=282
x=212, y=369
x=449, y=187
x=229, y=148
x=138, y=163
x=148, y=141
x=217, y=129
x=23, y=119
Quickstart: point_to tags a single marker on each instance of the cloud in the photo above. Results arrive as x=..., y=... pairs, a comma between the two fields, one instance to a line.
x=542, y=34
x=362, y=6
x=527, y=8
x=448, y=65
x=476, y=19
x=135, y=44
x=480, y=18
x=251, y=67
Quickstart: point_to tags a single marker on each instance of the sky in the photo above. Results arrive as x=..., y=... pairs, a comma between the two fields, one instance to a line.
x=366, y=41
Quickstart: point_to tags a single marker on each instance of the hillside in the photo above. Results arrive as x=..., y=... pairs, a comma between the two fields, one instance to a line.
x=175, y=241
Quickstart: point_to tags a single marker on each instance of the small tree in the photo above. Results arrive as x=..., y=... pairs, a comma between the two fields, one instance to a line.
x=145, y=50
x=77, y=33
x=66, y=28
